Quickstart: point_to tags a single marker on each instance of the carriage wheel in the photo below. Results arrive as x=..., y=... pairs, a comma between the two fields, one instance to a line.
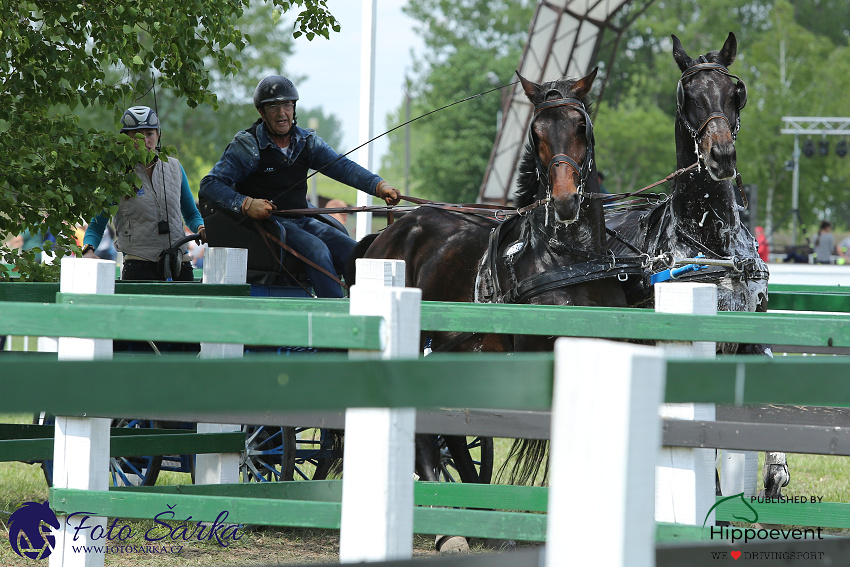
x=269, y=454
x=465, y=459
x=134, y=471
x=124, y=471
x=316, y=452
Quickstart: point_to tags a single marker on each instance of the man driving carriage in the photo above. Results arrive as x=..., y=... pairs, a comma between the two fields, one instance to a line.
x=265, y=169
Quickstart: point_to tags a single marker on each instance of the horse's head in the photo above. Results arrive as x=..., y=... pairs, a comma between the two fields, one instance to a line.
x=559, y=155
x=709, y=100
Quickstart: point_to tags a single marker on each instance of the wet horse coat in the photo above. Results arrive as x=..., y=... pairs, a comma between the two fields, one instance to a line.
x=700, y=217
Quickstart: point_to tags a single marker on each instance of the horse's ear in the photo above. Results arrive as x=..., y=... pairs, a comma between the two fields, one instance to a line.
x=729, y=50
x=531, y=89
x=583, y=85
x=682, y=58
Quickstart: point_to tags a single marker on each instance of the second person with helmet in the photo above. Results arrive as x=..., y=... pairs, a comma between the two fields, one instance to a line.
x=265, y=168
x=151, y=222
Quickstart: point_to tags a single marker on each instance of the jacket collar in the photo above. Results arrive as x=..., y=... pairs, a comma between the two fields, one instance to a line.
x=297, y=141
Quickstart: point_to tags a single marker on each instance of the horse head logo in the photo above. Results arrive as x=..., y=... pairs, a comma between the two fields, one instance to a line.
x=29, y=530
x=754, y=519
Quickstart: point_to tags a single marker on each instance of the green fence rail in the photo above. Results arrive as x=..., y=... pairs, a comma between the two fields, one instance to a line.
x=820, y=330
x=45, y=292
x=520, y=381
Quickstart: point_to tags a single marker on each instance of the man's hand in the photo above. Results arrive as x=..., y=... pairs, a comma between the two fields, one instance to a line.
x=388, y=193
x=203, y=232
x=257, y=208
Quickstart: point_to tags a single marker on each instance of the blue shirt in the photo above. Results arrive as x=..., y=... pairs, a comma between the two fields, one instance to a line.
x=241, y=158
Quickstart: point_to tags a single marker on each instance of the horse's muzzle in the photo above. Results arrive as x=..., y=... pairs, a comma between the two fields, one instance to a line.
x=720, y=159
x=567, y=207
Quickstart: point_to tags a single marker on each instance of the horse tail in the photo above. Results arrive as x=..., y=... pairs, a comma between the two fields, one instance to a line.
x=359, y=251
x=335, y=470
x=524, y=461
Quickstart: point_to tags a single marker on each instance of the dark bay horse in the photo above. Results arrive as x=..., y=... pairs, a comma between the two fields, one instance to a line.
x=554, y=253
x=701, y=217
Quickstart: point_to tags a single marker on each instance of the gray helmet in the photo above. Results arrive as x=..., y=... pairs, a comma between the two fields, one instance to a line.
x=139, y=117
x=274, y=88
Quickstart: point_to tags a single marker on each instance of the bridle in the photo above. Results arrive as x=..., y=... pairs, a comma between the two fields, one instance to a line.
x=740, y=92
x=583, y=170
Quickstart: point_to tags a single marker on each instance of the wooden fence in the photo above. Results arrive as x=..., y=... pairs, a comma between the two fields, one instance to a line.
x=487, y=381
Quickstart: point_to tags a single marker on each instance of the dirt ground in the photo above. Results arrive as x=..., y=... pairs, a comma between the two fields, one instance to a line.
x=259, y=546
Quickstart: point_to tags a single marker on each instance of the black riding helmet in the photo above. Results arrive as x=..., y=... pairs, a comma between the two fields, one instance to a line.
x=275, y=88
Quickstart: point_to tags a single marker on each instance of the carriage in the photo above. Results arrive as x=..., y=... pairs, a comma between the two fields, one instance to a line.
x=271, y=453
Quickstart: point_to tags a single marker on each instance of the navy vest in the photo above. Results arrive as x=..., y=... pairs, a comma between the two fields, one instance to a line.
x=277, y=178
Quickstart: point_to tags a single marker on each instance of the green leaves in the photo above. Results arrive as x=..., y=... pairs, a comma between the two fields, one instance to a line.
x=450, y=149
x=314, y=18
x=58, y=59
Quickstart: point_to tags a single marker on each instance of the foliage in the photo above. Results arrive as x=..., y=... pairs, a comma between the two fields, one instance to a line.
x=794, y=64
x=634, y=145
x=792, y=54
x=60, y=58
x=472, y=43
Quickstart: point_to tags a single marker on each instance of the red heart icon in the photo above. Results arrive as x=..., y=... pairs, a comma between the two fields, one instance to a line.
x=735, y=555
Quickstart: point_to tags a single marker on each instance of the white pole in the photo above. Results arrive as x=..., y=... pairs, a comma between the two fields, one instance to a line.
x=795, y=192
x=221, y=266
x=611, y=420
x=81, y=445
x=684, y=490
x=377, y=484
x=367, y=107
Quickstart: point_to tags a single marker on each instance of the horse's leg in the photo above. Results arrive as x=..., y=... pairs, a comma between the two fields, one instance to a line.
x=427, y=458
x=775, y=474
x=427, y=463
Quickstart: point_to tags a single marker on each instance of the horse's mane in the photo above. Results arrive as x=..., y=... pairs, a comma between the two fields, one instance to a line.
x=528, y=184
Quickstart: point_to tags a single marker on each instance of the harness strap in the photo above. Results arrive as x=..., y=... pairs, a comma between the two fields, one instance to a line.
x=563, y=158
x=711, y=117
x=573, y=274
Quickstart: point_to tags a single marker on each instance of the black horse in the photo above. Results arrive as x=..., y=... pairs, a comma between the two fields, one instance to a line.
x=553, y=252
x=701, y=216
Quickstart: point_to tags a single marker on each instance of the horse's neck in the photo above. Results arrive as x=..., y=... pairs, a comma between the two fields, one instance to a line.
x=701, y=206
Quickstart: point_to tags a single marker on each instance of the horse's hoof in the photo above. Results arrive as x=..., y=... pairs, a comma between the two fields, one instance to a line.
x=451, y=544
x=777, y=476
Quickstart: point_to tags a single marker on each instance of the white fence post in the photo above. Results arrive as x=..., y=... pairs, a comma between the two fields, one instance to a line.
x=610, y=417
x=81, y=445
x=221, y=266
x=377, y=486
x=685, y=486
